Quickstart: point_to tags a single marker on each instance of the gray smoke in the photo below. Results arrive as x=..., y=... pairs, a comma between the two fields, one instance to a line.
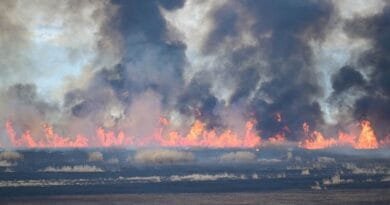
x=274, y=73
x=221, y=62
x=375, y=102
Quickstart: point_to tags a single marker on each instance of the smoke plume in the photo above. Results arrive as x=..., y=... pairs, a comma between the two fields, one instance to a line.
x=132, y=67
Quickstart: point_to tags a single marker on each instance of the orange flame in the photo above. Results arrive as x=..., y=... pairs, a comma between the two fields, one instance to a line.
x=345, y=139
x=197, y=136
x=366, y=139
x=52, y=139
x=279, y=138
x=109, y=139
x=317, y=141
x=11, y=133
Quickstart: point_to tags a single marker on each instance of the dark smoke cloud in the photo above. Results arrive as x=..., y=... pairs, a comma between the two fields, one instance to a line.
x=151, y=61
x=347, y=77
x=282, y=30
x=197, y=100
x=263, y=64
x=154, y=59
x=375, y=104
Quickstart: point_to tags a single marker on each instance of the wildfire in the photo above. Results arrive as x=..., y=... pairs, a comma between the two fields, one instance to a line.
x=315, y=139
x=318, y=141
x=51, y=139
x=366, y=139
x=197, y=136
x=279, y=138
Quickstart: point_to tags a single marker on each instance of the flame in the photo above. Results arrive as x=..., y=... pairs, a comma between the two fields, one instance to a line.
x=109, y=139
x=11, y=133
x=251, y=139
x=315, y=139
x=365, y=140
x=52, y=139
x=345, y=139
x=279, y=138
x=197, y=136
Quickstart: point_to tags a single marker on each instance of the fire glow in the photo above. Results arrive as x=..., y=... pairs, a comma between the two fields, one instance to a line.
x=196, y=136
x=366, y=139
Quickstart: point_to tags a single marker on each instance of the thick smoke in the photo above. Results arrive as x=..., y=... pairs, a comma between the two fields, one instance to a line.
x=42, y=41
x=32, y=30
x=147, y=76
x=274, y=72
x=375, y=102
x=221, y=62
x=15, y=42
x=22, y=104
x=346, y=78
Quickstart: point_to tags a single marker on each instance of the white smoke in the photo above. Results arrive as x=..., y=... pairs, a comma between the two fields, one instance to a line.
x=45, y=41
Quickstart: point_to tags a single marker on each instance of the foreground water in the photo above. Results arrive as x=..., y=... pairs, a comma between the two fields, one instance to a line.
x=284, y=173
x=345, y=197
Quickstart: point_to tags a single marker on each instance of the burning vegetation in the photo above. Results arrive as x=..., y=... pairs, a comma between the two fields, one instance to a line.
x=365, y=140
x=197, y=136
x=217, y=74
